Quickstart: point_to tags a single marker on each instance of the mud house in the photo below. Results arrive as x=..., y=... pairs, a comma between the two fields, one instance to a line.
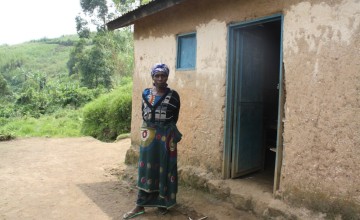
x=266, y=86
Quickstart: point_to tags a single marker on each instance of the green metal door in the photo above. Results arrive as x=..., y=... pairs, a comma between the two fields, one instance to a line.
x=248, y=70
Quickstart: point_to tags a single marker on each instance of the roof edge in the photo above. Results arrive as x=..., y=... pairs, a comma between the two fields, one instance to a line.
x=141, y=12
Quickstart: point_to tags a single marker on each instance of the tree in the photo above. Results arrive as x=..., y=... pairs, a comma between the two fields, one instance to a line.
x=98, y=65
x=4, y=89
x=82, y=28
x=75, y=57
x=126, y=5
x=98, y=11
x=107, y=53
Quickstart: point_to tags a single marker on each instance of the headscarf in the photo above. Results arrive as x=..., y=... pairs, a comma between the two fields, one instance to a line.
x=160, y=67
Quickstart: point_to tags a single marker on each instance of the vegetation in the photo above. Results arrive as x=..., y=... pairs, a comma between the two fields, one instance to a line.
x=109, y=115
x=63, y=123
x=72, y=85
x=46, y=100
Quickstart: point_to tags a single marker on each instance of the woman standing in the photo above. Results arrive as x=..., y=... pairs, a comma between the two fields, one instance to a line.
x=157, y=168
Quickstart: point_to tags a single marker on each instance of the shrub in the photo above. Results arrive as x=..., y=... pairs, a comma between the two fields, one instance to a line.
x=109, y=115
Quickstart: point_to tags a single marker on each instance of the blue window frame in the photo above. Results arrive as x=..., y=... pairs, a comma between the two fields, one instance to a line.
x=186, y=51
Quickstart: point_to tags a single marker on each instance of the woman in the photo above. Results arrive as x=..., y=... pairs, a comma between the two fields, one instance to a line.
x=157, y=168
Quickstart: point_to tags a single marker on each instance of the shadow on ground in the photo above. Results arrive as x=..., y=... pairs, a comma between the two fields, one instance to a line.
x=122, y=195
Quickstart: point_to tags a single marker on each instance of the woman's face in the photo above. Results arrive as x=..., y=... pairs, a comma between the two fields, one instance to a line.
x=160, y=79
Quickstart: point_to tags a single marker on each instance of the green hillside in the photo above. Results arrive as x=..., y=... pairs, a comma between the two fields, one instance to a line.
x=47, y=55
x=40, y=97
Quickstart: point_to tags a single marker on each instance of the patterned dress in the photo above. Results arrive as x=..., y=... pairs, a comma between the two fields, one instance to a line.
x=157, y=168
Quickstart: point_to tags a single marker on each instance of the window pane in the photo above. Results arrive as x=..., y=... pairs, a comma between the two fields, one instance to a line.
x=186, y=51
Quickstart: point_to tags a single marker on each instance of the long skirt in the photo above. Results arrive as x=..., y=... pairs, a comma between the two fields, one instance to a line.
x=157, y=168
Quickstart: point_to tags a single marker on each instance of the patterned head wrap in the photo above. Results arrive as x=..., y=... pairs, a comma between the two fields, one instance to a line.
x=160, y=67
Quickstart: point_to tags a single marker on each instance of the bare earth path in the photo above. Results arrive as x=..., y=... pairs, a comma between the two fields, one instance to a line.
x=78, y=178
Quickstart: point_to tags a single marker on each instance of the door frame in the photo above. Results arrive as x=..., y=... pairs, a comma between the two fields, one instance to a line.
x=229, y=111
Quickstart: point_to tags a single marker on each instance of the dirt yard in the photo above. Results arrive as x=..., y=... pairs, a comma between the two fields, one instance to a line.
x=83, y=178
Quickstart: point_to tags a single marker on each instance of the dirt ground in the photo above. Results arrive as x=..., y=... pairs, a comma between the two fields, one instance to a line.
x=83, y=178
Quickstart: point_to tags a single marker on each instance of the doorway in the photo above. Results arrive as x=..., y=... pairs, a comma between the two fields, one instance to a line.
x=253, y=142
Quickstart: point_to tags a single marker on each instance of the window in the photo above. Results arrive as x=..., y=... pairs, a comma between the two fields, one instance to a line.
x=186, y=51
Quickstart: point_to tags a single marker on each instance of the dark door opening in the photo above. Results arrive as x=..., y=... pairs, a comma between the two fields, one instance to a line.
x=253, y=98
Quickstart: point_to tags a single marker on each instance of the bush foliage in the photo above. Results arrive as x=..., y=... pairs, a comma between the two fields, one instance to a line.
x=44, y=85
x=109, y=115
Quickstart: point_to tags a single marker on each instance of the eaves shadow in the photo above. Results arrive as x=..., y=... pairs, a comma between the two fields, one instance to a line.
x=115, y=198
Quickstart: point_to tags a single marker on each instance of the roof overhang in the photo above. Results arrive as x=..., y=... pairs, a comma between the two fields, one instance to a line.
x=141, y=12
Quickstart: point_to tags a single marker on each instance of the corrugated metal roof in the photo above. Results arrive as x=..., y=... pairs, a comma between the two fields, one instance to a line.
x=152, y=7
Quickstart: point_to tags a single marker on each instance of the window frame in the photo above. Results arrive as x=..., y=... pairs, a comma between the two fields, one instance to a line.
x=178, y=52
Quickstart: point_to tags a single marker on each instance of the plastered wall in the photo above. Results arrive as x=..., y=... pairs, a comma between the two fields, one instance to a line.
x=202, y=90
x=322, y=71
x=322, y=112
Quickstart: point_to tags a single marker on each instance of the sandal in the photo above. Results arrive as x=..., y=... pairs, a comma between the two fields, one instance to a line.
x=132, y=214
x=162, y=210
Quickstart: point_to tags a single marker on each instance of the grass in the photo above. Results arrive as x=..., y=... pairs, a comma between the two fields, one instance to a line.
x=47, y=57
x=63, y=123
x=24, y=67
x=37, y=56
